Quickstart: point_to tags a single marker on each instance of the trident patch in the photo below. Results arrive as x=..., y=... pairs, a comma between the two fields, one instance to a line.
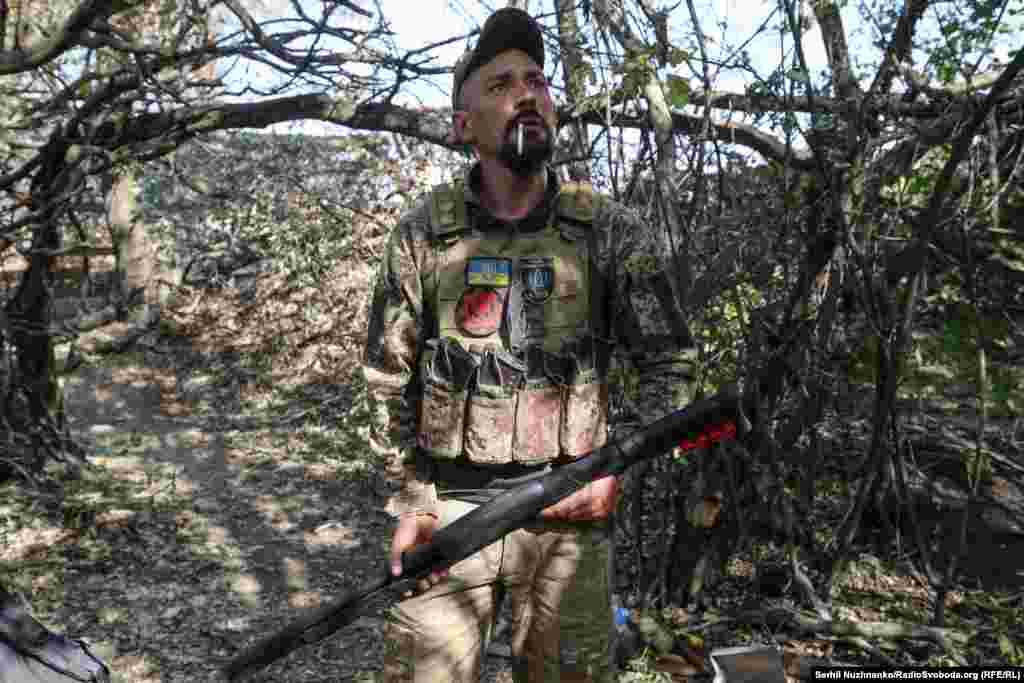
x=537, y=275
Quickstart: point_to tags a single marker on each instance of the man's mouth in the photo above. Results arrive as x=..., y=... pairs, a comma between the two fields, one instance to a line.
x=529, y=120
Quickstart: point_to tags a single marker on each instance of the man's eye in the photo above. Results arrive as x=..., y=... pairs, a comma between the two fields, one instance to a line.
x=497, y=87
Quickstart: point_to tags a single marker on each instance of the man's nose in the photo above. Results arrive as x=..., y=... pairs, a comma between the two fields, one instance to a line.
x=523, y=92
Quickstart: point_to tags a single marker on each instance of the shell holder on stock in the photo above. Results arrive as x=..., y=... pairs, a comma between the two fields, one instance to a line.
x=738, y=414
x=713, y=434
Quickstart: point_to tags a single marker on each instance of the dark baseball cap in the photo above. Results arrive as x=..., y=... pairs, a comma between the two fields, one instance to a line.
x=507, y=29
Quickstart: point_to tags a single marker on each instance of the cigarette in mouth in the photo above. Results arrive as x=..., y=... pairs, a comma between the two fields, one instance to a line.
x=519, y=141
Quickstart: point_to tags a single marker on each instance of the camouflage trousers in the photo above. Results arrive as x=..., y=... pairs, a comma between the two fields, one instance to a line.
x=557, y=578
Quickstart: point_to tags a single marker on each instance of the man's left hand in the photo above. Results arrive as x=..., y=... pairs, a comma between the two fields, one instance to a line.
x=594, y=501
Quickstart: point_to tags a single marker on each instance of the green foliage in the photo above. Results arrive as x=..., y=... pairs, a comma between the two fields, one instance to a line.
x=627, y=379
x=1010, y=254
x=354, y=429
x=862, y=367
x=677, y=56
x=636, y=70
x=963, y=36
x=678, y=91
x=1004, y=619
x=1013, y=651
x=98, y=492
x=302, y=201
x=305, y=247
x=641, y=670
x=799, y=75
x=139, y=488
x=915, y=189
x=723, y=327
x=951, y=356
x=149, y=191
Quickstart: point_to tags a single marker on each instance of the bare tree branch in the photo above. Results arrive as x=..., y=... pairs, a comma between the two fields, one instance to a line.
x=899, y=50
x=926, y=225
x=833, y=34
x=18, y=61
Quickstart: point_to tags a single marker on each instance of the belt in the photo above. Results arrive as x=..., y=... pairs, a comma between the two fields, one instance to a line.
x=452, y=476
x=479, y=484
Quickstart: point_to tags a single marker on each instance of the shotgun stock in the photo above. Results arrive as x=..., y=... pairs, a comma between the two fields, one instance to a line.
x=700, y=423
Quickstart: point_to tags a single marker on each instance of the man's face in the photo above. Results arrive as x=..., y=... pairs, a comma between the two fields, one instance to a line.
x=509, y=90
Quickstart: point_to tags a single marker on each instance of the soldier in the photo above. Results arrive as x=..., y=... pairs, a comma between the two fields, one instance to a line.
x=503, y=302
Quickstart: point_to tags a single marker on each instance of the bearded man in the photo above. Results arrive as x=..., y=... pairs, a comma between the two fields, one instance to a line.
x=502, y=304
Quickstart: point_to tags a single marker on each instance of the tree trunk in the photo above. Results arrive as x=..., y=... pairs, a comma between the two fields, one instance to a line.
x=134, y=251
x=574, y=70
x=29, y=312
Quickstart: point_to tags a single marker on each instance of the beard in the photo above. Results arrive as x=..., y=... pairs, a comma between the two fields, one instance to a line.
x=536, y=152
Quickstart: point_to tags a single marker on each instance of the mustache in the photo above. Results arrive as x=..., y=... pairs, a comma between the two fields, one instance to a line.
x=526, y=115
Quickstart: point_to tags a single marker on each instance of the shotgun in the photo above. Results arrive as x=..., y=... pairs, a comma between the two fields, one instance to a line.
x=699, y=424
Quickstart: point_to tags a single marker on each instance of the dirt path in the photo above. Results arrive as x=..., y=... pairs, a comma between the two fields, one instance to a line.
x=210, y=532
x=242, y=539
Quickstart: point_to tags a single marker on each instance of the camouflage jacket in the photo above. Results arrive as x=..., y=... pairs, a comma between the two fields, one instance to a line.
x=652, y=355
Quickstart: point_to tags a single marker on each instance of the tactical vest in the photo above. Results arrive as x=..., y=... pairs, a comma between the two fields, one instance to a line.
x=516, y=371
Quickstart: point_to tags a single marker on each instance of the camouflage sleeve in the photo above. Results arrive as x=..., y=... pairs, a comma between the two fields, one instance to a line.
x=654, y=355
x=394, y=337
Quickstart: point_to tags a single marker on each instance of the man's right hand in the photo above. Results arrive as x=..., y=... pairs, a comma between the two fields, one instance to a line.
x=414, y=530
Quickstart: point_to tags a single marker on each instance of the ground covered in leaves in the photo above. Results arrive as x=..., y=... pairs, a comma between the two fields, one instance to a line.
x=232, y=489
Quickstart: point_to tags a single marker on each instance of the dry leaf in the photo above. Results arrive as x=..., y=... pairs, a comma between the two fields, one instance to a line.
x=680, y=668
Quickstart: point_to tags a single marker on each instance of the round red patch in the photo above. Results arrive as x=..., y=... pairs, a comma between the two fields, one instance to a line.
x=478, y=313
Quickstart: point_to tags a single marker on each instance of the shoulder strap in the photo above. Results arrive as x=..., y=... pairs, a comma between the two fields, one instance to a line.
x=577, y=209
x=447, y=210
x=578, y=202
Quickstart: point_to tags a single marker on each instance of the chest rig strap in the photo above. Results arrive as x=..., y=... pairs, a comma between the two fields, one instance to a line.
x=578, y=203
x=447, y=211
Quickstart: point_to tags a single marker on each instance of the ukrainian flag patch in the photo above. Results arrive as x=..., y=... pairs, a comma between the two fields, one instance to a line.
x=488, y=271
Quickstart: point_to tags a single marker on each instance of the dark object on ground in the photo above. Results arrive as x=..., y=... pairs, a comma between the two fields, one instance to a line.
x=773, y=579
x=748, y=664
x=628, y=641
x=31, y=653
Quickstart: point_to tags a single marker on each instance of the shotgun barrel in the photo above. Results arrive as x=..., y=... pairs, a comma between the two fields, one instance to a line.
x=710, y=419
